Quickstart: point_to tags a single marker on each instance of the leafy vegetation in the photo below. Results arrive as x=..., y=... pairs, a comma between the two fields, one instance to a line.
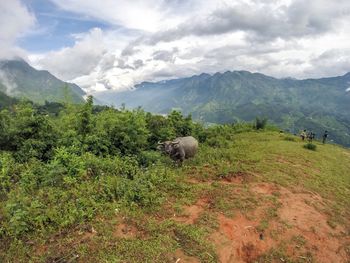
x=80, y=182
x=48, y=162
x=260, y=123
x=310, y=146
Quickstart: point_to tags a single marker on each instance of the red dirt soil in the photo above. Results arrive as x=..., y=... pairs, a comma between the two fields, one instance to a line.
x=325, y=242
x=238, y=239
x=192, y=213
x=124, y=230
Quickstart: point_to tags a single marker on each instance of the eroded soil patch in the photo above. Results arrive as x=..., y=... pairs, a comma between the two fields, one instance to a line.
x=238, y=240
x=302, y=213
x=125, y=230
x=298, y=227
x=192, y=213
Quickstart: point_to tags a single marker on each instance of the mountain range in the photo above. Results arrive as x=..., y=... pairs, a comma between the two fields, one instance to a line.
x=19, y=79
x=313, y=104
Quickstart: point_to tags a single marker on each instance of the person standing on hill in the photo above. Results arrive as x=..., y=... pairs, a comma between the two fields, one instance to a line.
x=311, y=136
x=324, y=137
x=303, y=135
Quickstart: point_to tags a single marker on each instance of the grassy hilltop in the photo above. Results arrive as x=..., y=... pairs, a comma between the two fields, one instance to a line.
x=88, y=186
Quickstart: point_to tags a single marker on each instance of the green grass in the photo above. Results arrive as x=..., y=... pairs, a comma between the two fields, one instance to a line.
x=252, y=157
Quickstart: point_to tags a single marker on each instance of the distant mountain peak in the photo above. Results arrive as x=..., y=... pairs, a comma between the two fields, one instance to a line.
x=202, y=75
x=22, y=80
x=233, y=96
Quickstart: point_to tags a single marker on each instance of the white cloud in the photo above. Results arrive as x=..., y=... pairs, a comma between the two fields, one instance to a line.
x=9, y=84
x=72, y=62
x=147, y=15
x=15, y=21
x=160, y=39
x=332, y=62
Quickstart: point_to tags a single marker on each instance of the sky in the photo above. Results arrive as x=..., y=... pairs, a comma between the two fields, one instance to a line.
x=115, y=44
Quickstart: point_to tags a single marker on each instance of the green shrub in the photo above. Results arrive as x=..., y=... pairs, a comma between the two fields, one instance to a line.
x=147, y=158
x=10, y=173
x=183, y=126
x=144, y=189
x=217, y=142
x=310, y=146
x=160, y=129
x=241, y=127
x=260, y=123
x=71, y=162
x=289, y=138
x=27, y=133
x=126, y=130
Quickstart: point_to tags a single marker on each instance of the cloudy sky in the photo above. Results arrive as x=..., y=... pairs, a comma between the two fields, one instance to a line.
x=114, y=44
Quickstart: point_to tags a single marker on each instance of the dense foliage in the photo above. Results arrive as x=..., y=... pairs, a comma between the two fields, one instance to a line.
x=62, y=164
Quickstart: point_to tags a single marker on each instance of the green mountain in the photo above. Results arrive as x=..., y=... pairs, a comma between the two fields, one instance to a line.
x=19, y=79
x=313, y=104
x=6, y=101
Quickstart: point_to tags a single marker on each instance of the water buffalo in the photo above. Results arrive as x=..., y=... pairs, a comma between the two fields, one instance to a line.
x=179, y=149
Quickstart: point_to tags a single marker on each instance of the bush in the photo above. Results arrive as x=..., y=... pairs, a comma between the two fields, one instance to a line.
x=10, y=173
x=289, y=138
x=217, y=142
x=27, y=134
x=310, y=146
x=147, y=158
x=182, y=126
x=160, y=130
x=126, y=131
x=241, y=127
x=260, y=123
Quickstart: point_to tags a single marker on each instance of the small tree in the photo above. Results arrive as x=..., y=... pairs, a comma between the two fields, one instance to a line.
x=182, y=126
x=260, y=123
x=85, y=118
x=160, y=129
x=27, y=133
x=125, y=130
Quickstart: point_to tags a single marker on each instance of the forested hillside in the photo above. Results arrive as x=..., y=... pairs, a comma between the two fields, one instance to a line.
x=6, y=101
x=19, y=79
x=313, y=104
x=81, y=183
